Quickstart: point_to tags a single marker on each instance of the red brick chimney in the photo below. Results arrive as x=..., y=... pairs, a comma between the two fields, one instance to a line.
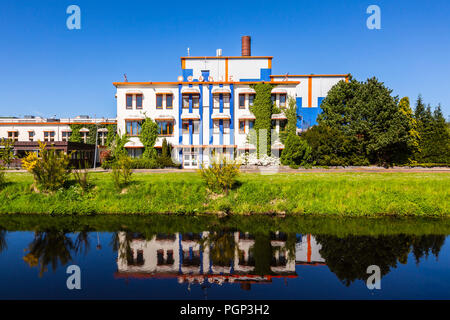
x=246, y=46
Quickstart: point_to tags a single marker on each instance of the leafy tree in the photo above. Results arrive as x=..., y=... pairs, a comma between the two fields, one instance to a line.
x=118, y=146
x=330, y=147
x=148, y=136
x=414, y=136
x=296, y=151
x=434, y=144
x=367, y=114
x=7, y=151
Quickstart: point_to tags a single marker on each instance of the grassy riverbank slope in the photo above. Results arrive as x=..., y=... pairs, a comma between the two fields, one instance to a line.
x=338, y=194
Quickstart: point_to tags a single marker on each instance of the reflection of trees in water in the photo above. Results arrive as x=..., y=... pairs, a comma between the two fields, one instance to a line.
x=349, y=257
x=3, y=244
x=222, y=247
x=54, y=247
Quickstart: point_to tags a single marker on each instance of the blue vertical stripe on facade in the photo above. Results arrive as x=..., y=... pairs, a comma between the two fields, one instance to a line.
x=299, y=113
x=232, y=114
x=190, y=103
x=221, y=103
x=191, y=125
x=180, y=131
x=201, y=121
x=221, y=131
x=210, y=115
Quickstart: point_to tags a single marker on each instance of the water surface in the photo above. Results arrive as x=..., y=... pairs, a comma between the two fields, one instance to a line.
x=209, y=258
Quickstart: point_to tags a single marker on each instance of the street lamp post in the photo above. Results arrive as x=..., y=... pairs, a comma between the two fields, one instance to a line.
x=96, y=140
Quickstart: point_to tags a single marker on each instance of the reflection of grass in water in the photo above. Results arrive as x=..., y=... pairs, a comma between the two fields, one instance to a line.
x=148, y=226
x=340, y=194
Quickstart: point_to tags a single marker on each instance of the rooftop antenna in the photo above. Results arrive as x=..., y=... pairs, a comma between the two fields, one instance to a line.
x=125, y=77
x=189, y=52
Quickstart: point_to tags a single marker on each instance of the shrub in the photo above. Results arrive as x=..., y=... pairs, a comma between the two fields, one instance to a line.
x=2, y=177
x=50, y=170
x=121, y=172
x=220, y=176
x=296, y=151
x=167, y=162
x=143, y=163
x=6, y=151
x=82, y=177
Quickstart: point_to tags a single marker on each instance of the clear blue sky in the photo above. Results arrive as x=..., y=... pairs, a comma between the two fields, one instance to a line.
x=49, y=70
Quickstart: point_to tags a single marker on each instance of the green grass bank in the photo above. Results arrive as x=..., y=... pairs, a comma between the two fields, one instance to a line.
x=329, y=193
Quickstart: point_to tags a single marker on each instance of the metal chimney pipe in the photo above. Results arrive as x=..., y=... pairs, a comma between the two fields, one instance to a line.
x=246, y=46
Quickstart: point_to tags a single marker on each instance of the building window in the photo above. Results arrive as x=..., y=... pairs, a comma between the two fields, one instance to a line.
x=274, y=98
x=185, y=101
x=165, y=128
x=139, y=101
x=102, y=138
x=195, y=126
x=185, y=126
x=49, y=136
x=283, y=100
x=159, y=101
x=85, y=136
x=65, y=135
x=195, y=101
x=251, y=124
x=242, y=101
x=241, y=126
x=30, y=135
x=216, y=101
x=283, y=124
x=169, y=101
x=135, y=152
x=251, y=98
x=226, y=126
x=129, y=101
x=13, y=135
x=133, y=127
x=226, y=101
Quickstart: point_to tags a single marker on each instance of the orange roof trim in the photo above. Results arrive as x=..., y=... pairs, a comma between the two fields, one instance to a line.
x=197, y=83
x=310, y=75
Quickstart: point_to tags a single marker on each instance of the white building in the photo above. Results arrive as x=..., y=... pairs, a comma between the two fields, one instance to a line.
x=207, y=108
x=32, y=129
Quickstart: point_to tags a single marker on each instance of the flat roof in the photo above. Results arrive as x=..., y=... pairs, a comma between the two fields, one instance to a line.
x=198, y=82
x=309, y=75
x=228, y=57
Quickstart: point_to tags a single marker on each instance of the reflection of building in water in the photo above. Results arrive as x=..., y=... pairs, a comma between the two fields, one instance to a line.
x=307, y=251
x=192, y=257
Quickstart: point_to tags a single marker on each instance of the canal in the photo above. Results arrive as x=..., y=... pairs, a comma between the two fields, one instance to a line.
x=186, y=257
